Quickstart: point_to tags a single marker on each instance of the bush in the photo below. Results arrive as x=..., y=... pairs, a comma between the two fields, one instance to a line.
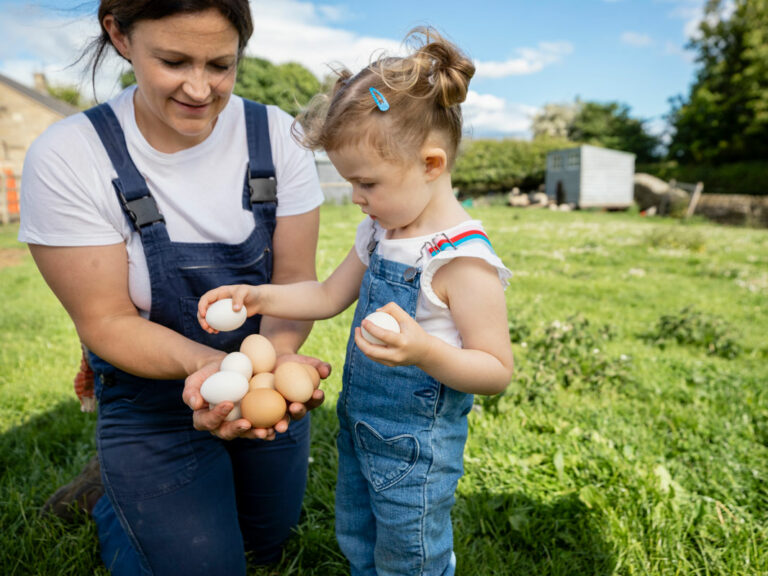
x=499, y=165
x=735, y=178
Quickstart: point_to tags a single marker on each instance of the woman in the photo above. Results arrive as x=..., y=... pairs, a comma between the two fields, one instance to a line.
x=131, y=212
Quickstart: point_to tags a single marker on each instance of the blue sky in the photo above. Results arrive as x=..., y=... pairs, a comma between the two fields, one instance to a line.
x=528, y=53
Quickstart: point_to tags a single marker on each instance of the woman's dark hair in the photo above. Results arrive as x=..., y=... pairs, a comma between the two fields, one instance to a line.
x=128, y=12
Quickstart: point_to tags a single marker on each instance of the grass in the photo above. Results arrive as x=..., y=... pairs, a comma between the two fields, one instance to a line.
x=633, y=440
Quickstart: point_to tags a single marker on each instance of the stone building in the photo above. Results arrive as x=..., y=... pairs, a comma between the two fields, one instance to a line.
x=25, y=113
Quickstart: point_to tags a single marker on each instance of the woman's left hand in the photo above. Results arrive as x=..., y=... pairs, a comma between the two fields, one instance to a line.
x=215, y=420
x=406, y=348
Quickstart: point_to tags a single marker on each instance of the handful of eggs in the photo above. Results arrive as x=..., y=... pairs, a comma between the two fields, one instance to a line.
x=246, y=378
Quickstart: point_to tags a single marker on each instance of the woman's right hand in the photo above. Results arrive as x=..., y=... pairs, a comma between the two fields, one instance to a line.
x=215, y=420
x=241, y=295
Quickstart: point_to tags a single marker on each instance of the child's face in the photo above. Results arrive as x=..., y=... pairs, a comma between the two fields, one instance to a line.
x=395, y=194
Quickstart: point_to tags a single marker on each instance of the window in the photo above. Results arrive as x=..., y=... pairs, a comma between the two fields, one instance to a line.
x=572, y=160
x=557, y=162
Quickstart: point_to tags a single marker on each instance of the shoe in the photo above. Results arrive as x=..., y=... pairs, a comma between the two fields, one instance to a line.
x=77, y=497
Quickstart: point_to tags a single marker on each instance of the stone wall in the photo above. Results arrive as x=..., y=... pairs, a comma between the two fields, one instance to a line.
x=22, y=119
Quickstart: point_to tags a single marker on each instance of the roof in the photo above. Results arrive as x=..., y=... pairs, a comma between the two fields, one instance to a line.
x=50, y=102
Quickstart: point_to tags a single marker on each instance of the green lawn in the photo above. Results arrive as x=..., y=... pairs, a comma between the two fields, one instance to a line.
x=633, y=440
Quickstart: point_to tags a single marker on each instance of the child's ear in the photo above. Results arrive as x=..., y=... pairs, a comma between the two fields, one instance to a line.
x=435, y=162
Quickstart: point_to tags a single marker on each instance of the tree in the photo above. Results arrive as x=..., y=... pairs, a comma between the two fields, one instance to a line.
x=67, y=93
x=554, y=120
x=611, y=126
x=289, y=86
x=725, y=117
x=608, y=125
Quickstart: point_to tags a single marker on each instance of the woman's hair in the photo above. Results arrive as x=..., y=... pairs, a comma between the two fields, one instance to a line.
x=424, y=91
x=128, y=12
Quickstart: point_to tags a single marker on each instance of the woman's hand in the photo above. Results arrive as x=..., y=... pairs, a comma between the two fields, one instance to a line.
x=406, y=348
x=215, y=420
x=241, y=295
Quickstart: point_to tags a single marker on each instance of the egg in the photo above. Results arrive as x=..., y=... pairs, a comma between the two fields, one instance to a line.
x=220, y=316
x=294, y=382
x=382, y=320
x=314, y=375
x=237, y=362
x=263, y=407
x=262, y=380
x=234, y=414
x=224, y=386
x=260, y=351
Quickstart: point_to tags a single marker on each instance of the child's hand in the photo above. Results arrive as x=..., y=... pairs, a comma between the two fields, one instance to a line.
x=241, y=294
x=408, y=347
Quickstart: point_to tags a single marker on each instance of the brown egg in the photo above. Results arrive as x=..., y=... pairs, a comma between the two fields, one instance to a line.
x=313, y=374
x=262, y=380
x=260, y=351
x=263, y=407
x=293, y=381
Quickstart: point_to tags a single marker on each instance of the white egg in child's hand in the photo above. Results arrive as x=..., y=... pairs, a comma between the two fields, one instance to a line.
x=382, y=320
x=220, y=316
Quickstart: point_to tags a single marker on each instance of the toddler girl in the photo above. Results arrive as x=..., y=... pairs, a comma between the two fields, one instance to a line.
x=392, y=131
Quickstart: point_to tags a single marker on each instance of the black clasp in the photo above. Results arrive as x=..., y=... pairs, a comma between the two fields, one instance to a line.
x=263, y=190
x=142, y=211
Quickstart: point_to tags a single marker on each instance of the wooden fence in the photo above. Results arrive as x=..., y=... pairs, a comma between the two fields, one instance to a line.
x=9, y=196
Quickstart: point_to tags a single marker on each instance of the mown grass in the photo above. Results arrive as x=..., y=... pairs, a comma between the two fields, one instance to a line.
x=633, y=440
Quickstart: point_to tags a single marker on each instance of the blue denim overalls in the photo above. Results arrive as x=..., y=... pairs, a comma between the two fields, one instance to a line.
x=401, y=444
x=187, y=502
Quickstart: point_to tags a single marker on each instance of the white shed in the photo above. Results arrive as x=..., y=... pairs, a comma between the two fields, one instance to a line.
x=335, y=189
x=591, y=177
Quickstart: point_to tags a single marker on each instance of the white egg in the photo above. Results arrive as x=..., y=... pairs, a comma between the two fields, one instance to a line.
x=224, y=386
x=220, y=316
x=382, y=320
x=237, y=362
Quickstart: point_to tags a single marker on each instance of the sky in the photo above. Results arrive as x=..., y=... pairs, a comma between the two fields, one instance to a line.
x=528, y=53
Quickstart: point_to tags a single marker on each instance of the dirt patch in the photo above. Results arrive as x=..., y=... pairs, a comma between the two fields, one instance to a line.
x=11, y=257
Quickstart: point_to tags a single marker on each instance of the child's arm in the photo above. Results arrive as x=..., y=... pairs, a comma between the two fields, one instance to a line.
x=484, y=365
x=310, y=300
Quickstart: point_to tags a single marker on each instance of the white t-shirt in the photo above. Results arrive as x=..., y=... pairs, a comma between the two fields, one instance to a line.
x=67, y=197
x=432, y=314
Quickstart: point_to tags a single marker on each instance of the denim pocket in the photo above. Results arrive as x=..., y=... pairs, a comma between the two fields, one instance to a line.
x=386, y=461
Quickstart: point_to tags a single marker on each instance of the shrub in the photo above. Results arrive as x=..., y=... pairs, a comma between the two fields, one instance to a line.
x=735, y=178
x=500, y=165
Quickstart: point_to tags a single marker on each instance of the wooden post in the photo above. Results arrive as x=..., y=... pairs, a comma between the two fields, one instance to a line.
x=694, y=199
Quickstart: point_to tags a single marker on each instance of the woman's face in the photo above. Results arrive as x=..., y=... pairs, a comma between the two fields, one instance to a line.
x=185, y=71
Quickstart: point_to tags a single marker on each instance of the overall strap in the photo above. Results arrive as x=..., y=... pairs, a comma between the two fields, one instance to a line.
x=132, y=192
x=260, y=184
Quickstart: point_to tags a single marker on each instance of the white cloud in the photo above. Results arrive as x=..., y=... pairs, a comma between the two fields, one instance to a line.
x=529, y=61
x=40, y=42
x=636, y=39
x=486, y=113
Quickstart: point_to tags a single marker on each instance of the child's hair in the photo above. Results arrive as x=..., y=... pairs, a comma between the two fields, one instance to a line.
x=424, y=91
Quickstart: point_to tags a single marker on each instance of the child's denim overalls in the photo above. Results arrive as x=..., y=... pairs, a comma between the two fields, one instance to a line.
x=401, y=444
x=184, y=498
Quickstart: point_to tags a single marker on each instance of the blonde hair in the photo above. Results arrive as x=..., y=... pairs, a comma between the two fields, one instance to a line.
x=424, y=91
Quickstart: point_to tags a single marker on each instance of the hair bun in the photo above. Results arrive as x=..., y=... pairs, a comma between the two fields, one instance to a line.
x=449, y=69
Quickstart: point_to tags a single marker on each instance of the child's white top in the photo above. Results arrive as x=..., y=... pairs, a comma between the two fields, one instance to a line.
x=67, y=197
x=432, y=314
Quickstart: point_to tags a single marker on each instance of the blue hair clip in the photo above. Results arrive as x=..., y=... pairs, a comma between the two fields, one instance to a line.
x=378, y=97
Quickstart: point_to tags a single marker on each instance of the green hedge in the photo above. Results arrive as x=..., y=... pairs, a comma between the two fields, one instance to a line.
x=736, y=178
x=500, y=165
